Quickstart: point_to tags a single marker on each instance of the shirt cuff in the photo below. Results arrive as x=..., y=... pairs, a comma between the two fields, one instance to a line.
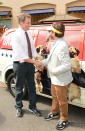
x=53, y=71
x=21, y=61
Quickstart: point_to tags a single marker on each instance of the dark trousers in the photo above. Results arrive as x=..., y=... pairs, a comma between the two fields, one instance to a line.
x=24, y=72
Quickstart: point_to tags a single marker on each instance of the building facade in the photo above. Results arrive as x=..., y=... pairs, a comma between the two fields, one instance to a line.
x=39, y=9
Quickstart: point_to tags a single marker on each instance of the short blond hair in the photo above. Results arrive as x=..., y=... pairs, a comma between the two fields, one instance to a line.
x=23, y=16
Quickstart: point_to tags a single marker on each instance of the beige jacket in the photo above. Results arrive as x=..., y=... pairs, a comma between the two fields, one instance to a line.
x=59, y=65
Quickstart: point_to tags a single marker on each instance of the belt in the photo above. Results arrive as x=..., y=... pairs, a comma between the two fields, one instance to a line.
x=16, y=62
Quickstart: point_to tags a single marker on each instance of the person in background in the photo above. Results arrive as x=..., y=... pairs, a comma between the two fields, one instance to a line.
x=5, y=28
x=24, y=53
x=49, y=44
x=59, y=67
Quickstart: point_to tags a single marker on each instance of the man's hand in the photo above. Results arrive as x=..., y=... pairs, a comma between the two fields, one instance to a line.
x=38, y=63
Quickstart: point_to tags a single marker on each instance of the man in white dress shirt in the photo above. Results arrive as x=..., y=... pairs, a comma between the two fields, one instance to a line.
x=59, y=67
x=23, y=64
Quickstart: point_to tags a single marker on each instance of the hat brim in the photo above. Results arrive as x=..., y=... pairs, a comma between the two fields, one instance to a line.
x=49, y=28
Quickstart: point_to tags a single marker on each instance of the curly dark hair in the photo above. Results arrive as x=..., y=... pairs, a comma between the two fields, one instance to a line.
x=60, y=27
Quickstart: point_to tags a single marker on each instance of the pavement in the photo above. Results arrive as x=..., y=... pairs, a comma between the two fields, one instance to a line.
x=30, y=122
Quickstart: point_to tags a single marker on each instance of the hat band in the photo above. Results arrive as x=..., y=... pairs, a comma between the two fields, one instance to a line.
x=56, y=31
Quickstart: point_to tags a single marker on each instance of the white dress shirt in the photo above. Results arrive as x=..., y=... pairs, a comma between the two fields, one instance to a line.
x=20, y=45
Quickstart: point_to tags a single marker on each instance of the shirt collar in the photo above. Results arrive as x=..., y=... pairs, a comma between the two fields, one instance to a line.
x=22, y=29
x=54, y=43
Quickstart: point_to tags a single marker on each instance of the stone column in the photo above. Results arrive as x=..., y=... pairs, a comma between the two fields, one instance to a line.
x=60, y=8
x=15, y=13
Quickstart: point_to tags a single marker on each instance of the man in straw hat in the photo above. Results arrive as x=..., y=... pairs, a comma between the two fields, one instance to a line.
x=59, y=67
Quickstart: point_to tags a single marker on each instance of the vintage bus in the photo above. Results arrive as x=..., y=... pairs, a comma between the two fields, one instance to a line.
x=74, y=36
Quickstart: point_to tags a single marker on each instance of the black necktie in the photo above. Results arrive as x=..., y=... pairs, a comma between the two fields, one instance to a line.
x=29, y=45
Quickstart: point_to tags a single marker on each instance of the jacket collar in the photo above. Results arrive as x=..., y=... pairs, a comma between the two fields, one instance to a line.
x=57, y=43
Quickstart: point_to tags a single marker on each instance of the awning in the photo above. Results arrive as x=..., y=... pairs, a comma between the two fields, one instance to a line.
x=40, y=11
x=59, y=17
x=4, y=13
x=76, y=9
